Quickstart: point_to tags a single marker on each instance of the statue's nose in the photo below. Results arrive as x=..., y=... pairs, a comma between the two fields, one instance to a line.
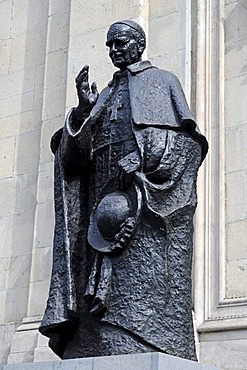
x=113, y=47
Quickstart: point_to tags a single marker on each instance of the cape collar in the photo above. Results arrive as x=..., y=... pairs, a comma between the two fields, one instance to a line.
x=134, y=69
x=139, y=67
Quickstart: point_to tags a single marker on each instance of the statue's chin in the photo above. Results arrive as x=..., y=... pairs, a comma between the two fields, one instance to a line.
x=120, y=64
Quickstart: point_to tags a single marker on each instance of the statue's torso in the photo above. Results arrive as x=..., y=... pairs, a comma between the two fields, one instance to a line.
x=112, y=136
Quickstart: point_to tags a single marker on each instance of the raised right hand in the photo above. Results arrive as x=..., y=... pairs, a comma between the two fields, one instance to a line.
x=87, y=97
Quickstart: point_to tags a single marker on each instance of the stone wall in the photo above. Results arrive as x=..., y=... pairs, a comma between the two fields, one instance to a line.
x=23, y=33
x=43, y=46
x=220, y=273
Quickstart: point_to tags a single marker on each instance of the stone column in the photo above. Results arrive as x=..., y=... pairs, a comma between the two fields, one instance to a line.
x=51, y=92
x=23, y=41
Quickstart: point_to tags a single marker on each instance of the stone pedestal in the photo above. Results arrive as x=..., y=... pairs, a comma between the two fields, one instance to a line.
x=145, y=361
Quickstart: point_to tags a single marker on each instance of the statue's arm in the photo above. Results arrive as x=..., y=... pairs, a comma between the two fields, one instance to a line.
x=74, y=141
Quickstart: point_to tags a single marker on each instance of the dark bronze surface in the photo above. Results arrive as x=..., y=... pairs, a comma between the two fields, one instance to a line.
x=126, y=166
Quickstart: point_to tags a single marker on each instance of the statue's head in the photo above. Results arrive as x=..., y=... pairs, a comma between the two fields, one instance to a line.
x=126, y=41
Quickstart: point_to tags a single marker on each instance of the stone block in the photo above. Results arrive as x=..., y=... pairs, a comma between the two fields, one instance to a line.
x=3, y=298
x=54, y=102
x=58, y=31
x=137, y=361
x=106, y=13
x=157, y=8
x=92, y=51
x=170, y=61
x=16, y=124
x=56, y=6
x=226, y=354
x=45, y=354
x=39, y=82
x=7, y=155
x=24, y=341
x=44, y=225
x=18, y=359
x=130, y=9
x=41, y=264
x=17, y=83
x=6, y=336
x=45, y=183
x=236, y=196
x=235, y=59
x=16, y=304
x=37, y=113
x=235, y=21
x=16, y=104
x=165, y=35
x=4, y=264
x=38, y=294
x=18, y=271
x=7, y=191
x=5, y=11
x=6, y=228
x=4, y=56
x=235, y=107
x=28, y=16
x=100, y=9
x=236, y=148
x=56, y=68
x=236, y=272
x=20, y=18
x=146, y=361
x=27, y=51
x=42, y=352
x=22, y=233
x=236, y=241
x=27, y=152
x=227, y=2
x=49, y=127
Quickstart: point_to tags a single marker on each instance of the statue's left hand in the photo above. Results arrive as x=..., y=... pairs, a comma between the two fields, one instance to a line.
x=125, y=170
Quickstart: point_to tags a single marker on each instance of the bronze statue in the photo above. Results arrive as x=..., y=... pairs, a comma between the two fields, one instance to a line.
x=126, y=165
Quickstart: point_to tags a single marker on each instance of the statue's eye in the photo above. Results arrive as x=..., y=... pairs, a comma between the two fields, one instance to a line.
x=120, y=42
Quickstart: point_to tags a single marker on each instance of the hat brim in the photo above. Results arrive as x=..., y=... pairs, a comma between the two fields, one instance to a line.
x=95, y=237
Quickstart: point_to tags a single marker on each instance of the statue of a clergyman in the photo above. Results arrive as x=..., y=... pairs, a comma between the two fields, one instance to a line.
x=126, y=165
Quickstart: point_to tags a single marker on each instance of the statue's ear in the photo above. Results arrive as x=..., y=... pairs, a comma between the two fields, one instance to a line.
x=141, y=46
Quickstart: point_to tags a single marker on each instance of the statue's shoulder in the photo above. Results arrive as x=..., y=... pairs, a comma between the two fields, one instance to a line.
x=162, y=74
x=167, y=75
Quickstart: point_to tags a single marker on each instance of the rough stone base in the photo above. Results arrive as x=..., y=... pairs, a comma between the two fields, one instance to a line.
x=146, y=361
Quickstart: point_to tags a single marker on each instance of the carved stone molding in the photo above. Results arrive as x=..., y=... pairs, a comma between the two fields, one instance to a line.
x=214, y=311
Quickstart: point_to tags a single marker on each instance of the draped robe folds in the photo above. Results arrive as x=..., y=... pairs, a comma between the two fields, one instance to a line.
x=150, y=288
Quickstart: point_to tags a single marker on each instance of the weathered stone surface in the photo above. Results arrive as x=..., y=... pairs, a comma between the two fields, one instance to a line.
x=148, y=361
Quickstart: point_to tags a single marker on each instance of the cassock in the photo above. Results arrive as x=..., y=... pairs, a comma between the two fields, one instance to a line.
x=131, y=293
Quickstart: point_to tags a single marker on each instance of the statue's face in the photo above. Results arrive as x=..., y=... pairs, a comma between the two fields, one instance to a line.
x=123, y=46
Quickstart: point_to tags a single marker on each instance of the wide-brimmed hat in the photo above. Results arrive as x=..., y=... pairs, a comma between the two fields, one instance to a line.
x=115, y=218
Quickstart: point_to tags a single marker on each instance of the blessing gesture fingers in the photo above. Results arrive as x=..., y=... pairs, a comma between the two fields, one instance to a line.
x=87, y=96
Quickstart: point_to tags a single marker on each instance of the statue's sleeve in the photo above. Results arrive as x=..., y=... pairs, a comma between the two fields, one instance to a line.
x=70, y=254
x=183, y=111
x=74, y=147
x=179, y=100
x=171, y=161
